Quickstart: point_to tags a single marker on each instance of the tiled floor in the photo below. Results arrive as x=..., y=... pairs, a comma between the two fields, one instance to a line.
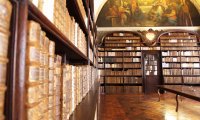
x=146, y=107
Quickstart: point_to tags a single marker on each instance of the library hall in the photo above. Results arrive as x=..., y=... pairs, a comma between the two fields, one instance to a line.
x=99, y=59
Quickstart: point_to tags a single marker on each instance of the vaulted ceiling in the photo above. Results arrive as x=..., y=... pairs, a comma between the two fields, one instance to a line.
x=102, y=7
x=129, y=22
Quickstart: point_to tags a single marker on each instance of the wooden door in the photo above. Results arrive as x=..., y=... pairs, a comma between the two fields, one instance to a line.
x=151, y=70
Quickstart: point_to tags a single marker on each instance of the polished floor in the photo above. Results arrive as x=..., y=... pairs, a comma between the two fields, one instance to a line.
x=138, y=106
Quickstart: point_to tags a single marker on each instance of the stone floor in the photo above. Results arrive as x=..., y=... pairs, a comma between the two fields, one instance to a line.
x=146, y=107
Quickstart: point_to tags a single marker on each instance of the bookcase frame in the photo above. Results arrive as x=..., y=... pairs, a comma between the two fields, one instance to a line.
x=24, y=10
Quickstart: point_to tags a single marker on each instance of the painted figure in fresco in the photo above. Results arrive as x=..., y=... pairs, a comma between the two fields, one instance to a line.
x=184, y=17
x=124, y=13
x=136, y=13
x=112, y=15
x=118, y=13
x=155, y=14
x=170, y=15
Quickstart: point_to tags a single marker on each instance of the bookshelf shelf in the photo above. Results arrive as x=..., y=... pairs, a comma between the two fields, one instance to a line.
x=61, y=39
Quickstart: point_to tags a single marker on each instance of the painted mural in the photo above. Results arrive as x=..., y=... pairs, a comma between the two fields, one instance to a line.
x=148, y=13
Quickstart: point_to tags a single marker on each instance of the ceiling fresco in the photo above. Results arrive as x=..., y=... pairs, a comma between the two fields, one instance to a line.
x=148, y=13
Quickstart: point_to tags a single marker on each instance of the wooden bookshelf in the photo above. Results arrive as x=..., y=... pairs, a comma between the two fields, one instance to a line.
x=120, y=60
x=180, y=58
x=22, y=12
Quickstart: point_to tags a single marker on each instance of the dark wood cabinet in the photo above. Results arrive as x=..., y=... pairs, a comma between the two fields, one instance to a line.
x=151, y=62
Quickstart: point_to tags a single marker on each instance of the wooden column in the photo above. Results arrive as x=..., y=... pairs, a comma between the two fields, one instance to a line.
x=19, y=70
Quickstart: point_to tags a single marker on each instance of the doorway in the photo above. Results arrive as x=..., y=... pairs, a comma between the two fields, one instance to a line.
x=151, y=62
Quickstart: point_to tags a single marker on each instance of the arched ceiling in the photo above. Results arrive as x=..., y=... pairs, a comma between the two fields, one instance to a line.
x=98, y=5
x=102, y=31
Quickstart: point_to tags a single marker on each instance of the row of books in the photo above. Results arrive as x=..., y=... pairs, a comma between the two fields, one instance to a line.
x=42, y=66
x=186, y=80
x=76, y=83
x=172, y=72
x=190, y=59
x=171, y=59
x=178, y=44
x=150, y=48
x=178, y=65
x=178, y=34
x=132, y=59
x=177, y=41
x=171, y=65
x=58, y=14
x=191, y=80
x=122, y=80
x=128, y=39
x=77, y=37
x=178, y=37
x=171, y=53
x=179, y=48
x=119, y=53
x=181, y=72
x=121, y=41
x=111, y=65
x=191, y=72
x=133, y=65
x=127, y=72
x=192, y=65
x=122, y=45
x=110, y=54
x=172, y=79
x=180, y=53
x=133, y=72
x=120, y=66
x=47, y=80
x=5, y=17
x=132, y=53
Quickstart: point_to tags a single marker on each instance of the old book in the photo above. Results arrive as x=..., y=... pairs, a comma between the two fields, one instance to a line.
x=34, y=31
x=3, y=69
x=4, y=38
x=5, y=15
